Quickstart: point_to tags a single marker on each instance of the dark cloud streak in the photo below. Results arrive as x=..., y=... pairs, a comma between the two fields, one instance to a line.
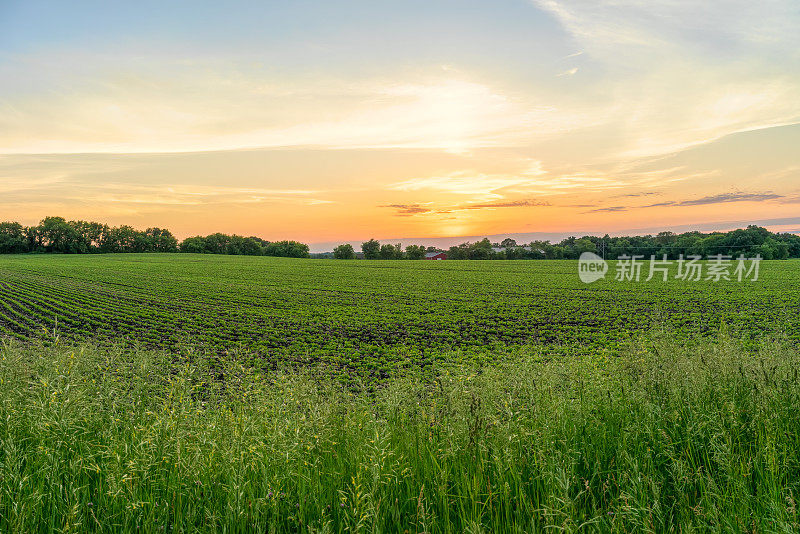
x=509, y=204
x=720, y=199
x=609, y=209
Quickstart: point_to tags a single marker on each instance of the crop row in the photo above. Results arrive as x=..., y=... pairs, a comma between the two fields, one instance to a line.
x=371, y=315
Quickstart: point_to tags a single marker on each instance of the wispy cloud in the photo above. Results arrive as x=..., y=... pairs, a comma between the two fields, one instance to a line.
x=532, y=179
x=711, y=77
x=608, y=209
x=636, y=195
x=660, y=204
x=406, y=210
x=719, y=199
x=475, y=183
x=528, y=202
x=226, y=111
x=731, y=197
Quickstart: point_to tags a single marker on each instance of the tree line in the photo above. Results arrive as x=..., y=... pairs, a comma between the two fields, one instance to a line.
x=57, y=235
x=750, y=241
x=373, y=250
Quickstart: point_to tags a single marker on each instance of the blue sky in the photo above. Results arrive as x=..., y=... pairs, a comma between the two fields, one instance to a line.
x=474, y=117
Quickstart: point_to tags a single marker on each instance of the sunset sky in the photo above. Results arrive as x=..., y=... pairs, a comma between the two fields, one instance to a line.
x=325, y=121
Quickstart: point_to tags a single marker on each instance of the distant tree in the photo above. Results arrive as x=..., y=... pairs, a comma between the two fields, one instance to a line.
x=371, y=249
x=557, y=252
x=391, y=252
x=162, y=240
x=287, y=249
x=459, y=252
x=666, y=238
x=537, y=250
x=142, y=242
x=261, y=242
x=415, y=252
x=55, y=234
x=88, y=235
x=344, y=251
x=482, y=250
x=193, y=245
x=515, y=253
x=12, y=238
x=250, y=247
x=59, y=236
x=217, y=243
x=127, y=239
x=234, y=245
x=582, y=245
x=793, y=243
x=33, y=239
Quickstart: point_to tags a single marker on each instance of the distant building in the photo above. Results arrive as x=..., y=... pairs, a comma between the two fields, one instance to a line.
x=435, y=255
x=497, y=250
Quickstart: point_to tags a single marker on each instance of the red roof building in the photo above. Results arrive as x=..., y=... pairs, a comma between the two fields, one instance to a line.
x=435, y=255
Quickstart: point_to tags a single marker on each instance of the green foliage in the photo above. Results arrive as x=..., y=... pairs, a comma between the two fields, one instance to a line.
x=415, y=252
x=748, y=242
x=665, y=438
x=371, y=249
x=57, y=235
x=344, y=252
x=194, y=245
x=369, y=318
x=286, y=249
x=12, y=238
x=391, y=252
x=482, y=250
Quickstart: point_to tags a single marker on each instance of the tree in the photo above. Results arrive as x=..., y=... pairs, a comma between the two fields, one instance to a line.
x=89, y=235
x=286, y=249
x=217, y=243
x=261, y=242
x=482, y=250
x=415, y=252
x=537, y=250
x=582, y=245
x=33, y=239
x=459, y=252
x=12, y=238
x=508, y=243
x=371, y=249
x=515, y=253
x=193, y=245
x=142, y=242
x=162, y=240
x=344, y=251
x=249, y=246
x=391, y=252
x=58, y=236
x=126, y=237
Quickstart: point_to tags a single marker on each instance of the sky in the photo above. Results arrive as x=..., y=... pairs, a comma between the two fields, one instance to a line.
x=338, y=121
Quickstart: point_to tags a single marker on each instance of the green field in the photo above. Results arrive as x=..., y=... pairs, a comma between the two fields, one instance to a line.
x=372, y=315
x=195, y=393
x=660, y=439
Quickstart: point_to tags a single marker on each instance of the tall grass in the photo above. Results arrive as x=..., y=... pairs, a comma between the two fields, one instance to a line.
x=667, y=437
